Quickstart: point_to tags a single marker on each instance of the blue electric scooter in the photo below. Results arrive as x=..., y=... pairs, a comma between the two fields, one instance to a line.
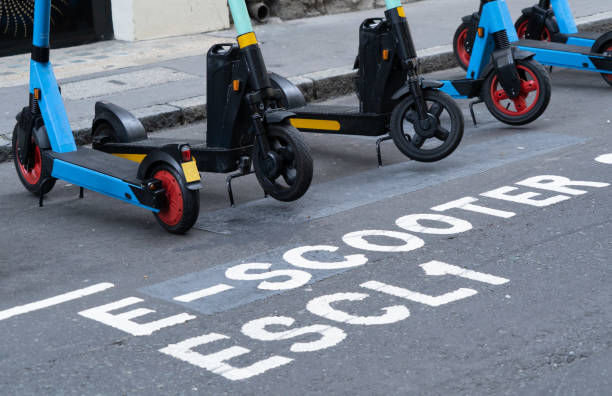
x=597, y=59
x=514, y=86
x=552, y=20
x=167, y=182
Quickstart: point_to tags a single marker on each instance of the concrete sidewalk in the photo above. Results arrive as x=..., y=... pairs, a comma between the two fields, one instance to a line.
x=163, y=81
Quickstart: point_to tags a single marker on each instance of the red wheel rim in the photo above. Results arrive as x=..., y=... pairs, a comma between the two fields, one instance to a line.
x=504, y=104
x=171, y=211
x=32, y=175
x=608, y=51
x=464, y=56
x=522, y=31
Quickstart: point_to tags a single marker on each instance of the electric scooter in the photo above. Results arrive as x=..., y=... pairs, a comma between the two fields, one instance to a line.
x=557, y=24
x=513, y=85
x=597, y=59
x=167, y=182
x=394, y=100
x=247, y=126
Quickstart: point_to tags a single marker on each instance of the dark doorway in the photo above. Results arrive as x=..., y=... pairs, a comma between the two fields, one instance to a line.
x=73, y=22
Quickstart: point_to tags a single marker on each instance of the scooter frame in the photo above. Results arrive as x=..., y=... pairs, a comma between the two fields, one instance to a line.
x=241, y=104
x=388, y=73
x=45, y=121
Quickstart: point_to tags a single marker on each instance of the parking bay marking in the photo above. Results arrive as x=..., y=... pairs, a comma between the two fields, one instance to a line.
x=347, y=193
x=49, y=302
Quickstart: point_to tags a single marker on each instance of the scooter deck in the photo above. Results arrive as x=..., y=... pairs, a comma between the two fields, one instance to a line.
x=209, y=159
x=565, y=55
x=100, y=162
x=343, y=120
x=581, y=35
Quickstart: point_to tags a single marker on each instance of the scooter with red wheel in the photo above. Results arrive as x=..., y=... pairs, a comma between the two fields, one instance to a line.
x=166, y=182
x=553, y=21
x=546, y=50
x=514, y=86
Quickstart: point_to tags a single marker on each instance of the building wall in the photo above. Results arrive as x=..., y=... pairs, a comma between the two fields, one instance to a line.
x=148, y=19
x=290, y=9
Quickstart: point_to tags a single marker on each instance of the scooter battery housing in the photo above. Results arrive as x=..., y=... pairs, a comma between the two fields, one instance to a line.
x=380, y=71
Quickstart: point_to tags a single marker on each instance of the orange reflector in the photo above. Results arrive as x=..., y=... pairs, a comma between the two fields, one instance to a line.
x=37, y=93
x=386, y=54
x=481, y=32
x=236, y=85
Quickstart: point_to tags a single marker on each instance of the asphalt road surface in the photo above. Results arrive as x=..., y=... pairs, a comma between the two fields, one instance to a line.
x=380, y=281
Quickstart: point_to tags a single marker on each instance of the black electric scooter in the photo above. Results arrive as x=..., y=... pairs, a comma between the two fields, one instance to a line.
x=394, y=100
x=247, y=126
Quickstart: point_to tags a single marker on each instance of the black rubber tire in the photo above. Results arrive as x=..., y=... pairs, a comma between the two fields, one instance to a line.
x=604, y=48
x=44, y=185
x=191, y=203
x=406, y=145
x=550, y=24
x=294, y=150
x=542, y=102
x=464, y=26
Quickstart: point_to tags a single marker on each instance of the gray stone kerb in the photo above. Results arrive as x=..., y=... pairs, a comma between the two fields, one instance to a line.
x=317, y=86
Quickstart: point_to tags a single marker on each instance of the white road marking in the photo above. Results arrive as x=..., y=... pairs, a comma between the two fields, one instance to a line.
x=438, y=268
x=217, y=362
x=294, y=257
x=124, y=321
x=321, y=306
x=49, y=302
x=605, y=159
x=411, y=223
x=433, y=301
x=559, y=184
x=357, y=240
x=296, y=279
x=330, y=335
x=524, y=198
x=209, y=291
x=467, y=203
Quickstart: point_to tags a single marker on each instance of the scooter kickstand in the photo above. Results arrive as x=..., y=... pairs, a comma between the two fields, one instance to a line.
x=244, y=168
x=81, y=192
x=472, y=104
x=378, y=154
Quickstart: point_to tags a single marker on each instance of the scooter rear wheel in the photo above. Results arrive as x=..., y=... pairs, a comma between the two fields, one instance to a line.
x=32, y=172
x=550, y=28
x=532, y=100
x=461, y=43
x=181, y=206
x=606, y=49
x=287, y=176
x=448, y=119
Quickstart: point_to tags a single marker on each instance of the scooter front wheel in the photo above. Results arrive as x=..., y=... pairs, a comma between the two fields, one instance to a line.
x=462, y=44
x=532, y=100
x=286, y=172
x=181, y=206
x=32, y=172
x=440, y=134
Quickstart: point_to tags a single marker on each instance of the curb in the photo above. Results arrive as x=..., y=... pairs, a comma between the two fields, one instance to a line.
x=316, y=86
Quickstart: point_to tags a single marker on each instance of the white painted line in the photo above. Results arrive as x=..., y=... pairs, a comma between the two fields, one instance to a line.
x=49, y=302
x=438, y=268
x=209, y=291
x=605, y=159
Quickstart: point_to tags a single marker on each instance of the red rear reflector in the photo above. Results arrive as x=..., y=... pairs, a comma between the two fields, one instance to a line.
x=186, y=153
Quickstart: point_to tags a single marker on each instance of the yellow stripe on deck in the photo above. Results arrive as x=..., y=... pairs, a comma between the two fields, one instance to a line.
x=319, y=125
x=132, y=157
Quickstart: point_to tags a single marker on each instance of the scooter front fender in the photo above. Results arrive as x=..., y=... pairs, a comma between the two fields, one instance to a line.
x=425, y=84
x=278, y=116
